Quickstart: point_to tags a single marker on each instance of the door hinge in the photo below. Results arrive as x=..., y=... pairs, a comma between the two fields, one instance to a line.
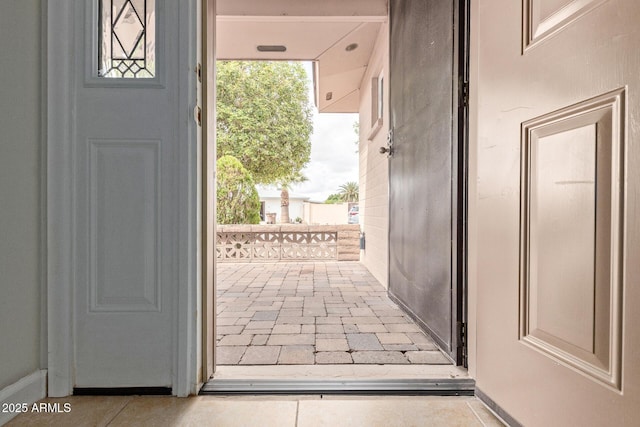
x=462, y=342
x=464, y=94
x=199, y=72
x=197, y=115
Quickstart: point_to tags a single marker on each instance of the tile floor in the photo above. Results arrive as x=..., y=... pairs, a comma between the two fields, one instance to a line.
x=283, y=411
x=313, y=313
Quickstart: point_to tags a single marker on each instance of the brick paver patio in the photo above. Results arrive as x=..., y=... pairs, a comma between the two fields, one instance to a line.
x=313, y=313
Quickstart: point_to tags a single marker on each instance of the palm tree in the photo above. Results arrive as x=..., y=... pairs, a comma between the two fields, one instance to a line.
x=349, y=192
x=285, y=184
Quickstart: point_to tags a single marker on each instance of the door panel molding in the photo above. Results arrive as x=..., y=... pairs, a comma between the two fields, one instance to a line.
x=577, y=322
x=111, y=164
x=538, y=25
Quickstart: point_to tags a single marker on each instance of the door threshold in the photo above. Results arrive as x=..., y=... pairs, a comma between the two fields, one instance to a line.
x=386, y=387
x=338, y=372
x=437, y=380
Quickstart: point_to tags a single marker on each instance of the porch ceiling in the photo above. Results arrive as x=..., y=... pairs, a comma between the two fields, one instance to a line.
x=310, y=32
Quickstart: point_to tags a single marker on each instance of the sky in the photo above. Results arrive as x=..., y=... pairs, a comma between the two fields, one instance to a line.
x=334, y=157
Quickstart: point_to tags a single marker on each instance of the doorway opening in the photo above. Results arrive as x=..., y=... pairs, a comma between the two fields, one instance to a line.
x=313, y=312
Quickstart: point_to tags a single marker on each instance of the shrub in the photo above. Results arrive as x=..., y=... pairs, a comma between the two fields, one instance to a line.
x=236, y=195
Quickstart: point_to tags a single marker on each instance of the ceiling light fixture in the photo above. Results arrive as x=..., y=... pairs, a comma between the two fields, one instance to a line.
x=271, y=48
x=351, y=47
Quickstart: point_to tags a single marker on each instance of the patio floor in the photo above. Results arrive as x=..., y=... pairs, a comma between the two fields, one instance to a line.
x=308, y=313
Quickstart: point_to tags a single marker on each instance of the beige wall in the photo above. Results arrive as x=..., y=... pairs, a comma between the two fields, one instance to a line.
x=374, y=167
x=324, y=214
x=20, y=109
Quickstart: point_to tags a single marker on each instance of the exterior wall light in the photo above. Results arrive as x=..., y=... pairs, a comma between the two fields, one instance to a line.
x=271, y=48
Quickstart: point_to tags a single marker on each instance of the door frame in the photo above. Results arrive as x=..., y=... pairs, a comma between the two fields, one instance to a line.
x=463, y=288
x=462, y=41
x=61, y=228
x=208, y=175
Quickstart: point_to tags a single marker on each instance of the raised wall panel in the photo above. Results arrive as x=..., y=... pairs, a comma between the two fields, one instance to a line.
x=571, y=235
x=543, y=18
x=125, y=223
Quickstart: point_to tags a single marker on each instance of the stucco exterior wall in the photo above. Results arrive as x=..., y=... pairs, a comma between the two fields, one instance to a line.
x=374, y=167
x=325, y=214
x=20, y=189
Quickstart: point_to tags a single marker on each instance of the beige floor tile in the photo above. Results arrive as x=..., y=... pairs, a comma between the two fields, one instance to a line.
x=84, y=411
x=206, y=411
x=418, y=412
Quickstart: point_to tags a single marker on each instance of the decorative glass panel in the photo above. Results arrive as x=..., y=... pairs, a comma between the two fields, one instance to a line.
x=127, y=38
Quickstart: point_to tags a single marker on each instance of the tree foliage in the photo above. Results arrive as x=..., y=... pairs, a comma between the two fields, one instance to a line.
x=236, y=195
x=349, y=192
x=333, y=198
x=264, y=117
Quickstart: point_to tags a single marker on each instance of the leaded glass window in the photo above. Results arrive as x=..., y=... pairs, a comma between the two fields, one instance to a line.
x=127, y=38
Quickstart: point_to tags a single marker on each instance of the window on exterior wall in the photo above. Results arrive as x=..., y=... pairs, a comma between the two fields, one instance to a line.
x=380, y=104
x=126, y=38
x=377, y=104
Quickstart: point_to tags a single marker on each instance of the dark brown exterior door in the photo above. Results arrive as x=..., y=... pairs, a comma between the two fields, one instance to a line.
x=425, y=228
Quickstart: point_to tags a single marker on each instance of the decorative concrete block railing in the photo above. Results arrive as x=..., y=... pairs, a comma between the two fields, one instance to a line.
x=289, y=242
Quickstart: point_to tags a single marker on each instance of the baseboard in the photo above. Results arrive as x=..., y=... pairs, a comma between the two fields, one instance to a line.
x=27, y=390
x=503, y=415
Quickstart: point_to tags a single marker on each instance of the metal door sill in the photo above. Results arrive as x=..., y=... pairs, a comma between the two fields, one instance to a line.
x=381, y=387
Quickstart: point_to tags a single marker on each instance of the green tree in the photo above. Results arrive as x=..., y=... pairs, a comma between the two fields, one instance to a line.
x=237, y=199
x=349, y=192
x=333, y=198
x=264, y=117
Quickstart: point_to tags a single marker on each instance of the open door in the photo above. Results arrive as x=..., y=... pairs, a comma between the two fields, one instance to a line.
x=424, y=175
x=558, y=218
x=122, y=277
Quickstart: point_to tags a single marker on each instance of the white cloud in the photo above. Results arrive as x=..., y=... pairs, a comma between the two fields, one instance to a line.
x=334, y=160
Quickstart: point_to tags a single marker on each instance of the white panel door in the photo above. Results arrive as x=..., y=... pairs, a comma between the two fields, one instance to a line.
x=558, y=220
x=125, y=202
